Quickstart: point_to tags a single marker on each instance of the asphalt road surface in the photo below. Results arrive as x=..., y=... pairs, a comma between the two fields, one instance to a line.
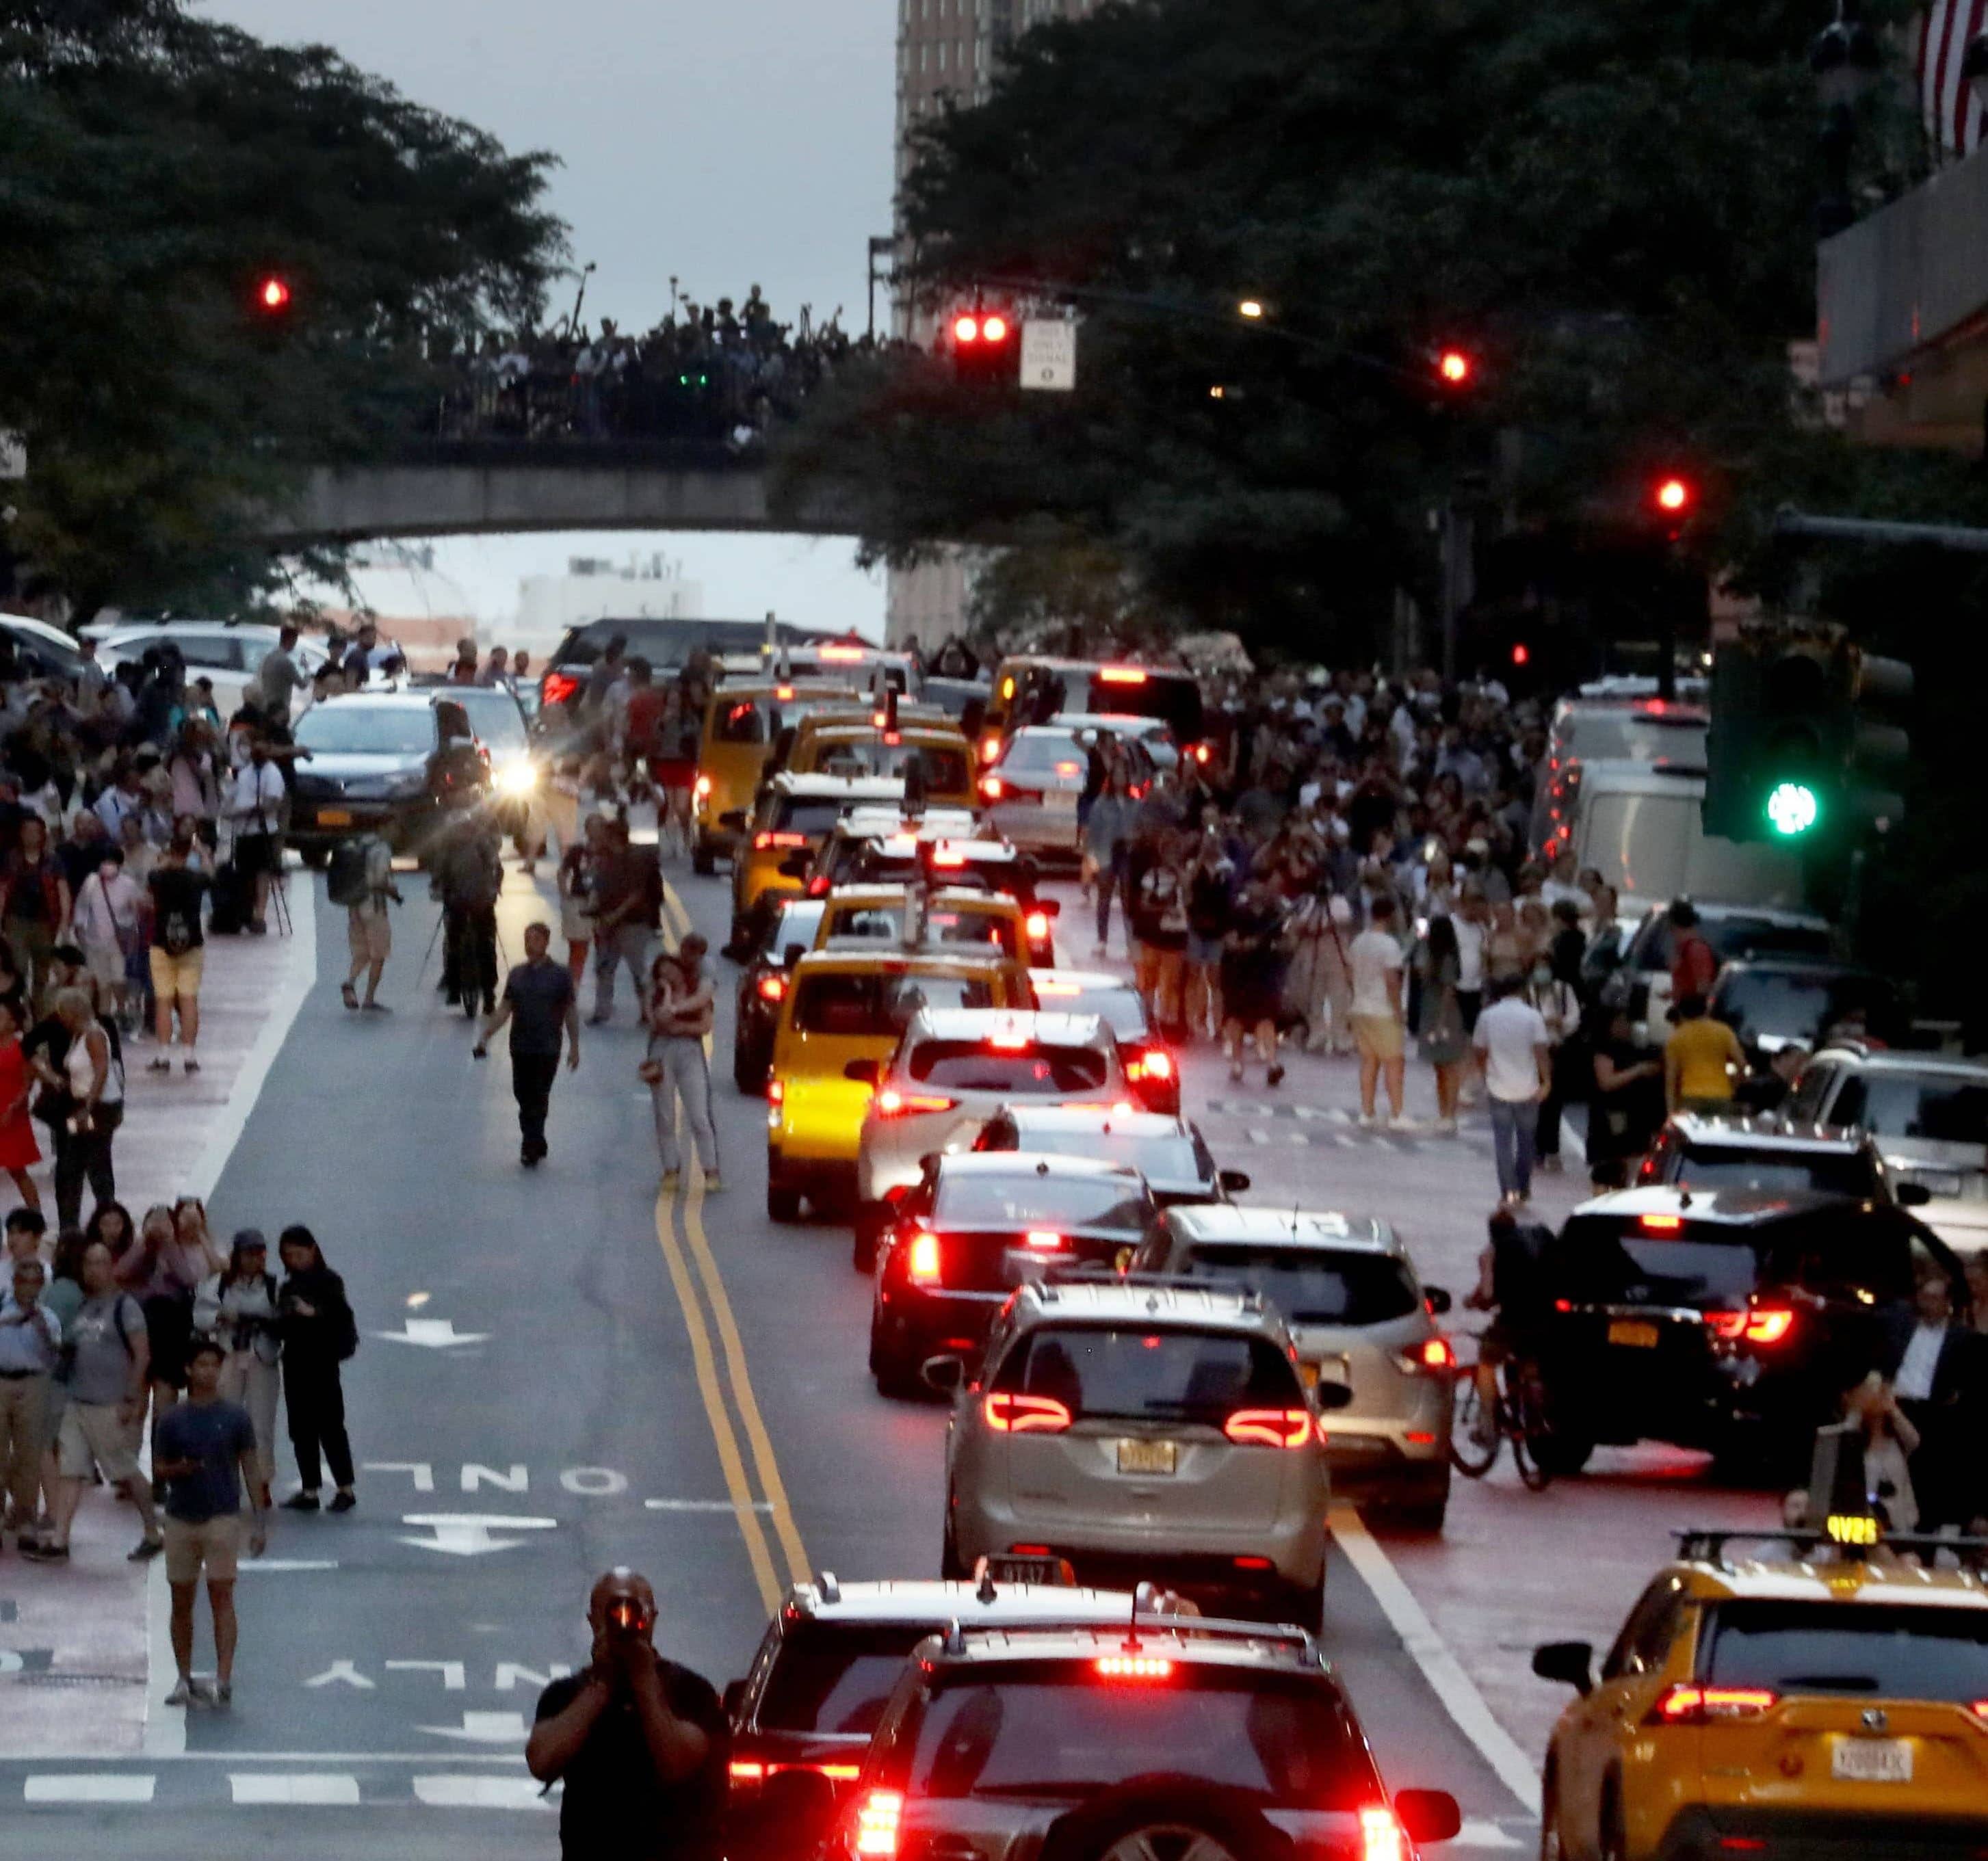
x=558, y=1374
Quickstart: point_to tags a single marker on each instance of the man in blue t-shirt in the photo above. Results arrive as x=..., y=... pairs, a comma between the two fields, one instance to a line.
x=202, y=1449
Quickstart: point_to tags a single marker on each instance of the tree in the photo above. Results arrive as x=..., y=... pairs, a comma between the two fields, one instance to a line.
x=157, y=169
x=1610, y=205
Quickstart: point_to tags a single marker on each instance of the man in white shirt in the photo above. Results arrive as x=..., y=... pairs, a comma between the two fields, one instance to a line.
x=1517, y=1054
x=1376, y=961
x=255, y=806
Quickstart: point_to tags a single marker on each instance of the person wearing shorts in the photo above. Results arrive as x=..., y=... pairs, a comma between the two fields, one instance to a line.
x=179, y=949
x=1377, y=965
x=204, y=1450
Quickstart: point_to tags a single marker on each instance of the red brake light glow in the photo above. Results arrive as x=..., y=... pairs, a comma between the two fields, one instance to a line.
x=950, y=857
x=1067, y=769
x=1769, y=1325
x=1979, y=1709
x=1155, y=1064
x=991, y=786
x=848, y=655
x=557, y=687
x=1380, y=1835
x=922, y=1262
x=1434, y=1354
x=1121, y=675
x=1134, y=1666
x=995, y=329
x=1693, y=1705
x=762, y=841
x=892, y=1104
x=877, y=1818
x=776, y=1090
x=746, y=1770
x=1043, y=1241
x=990, y=749
x=966, y=329
x=1007, y=1414
x=773, y=988
x=1269, y=1427
x=1660, y=1224
x=704, y=785
x=1037, y=925
x=1201, y=752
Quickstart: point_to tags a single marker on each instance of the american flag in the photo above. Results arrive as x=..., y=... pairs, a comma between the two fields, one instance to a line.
x=1953, y=117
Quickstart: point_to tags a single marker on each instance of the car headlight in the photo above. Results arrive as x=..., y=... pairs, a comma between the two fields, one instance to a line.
x=518, y=777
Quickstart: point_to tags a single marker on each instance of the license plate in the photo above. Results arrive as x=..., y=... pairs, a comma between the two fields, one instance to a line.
x=1004, y=1568
x=334, y=817
x=1872, y=1761
x=1628, y=1331
x=1146, y=1457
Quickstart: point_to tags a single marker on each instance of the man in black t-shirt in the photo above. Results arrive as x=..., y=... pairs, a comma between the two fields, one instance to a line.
x=641, y=1743
x=539, y=1004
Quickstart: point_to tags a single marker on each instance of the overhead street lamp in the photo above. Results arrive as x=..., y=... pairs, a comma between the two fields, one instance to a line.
x=1250, y=307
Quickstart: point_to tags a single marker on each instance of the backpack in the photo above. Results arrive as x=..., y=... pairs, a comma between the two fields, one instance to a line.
x=345, y=879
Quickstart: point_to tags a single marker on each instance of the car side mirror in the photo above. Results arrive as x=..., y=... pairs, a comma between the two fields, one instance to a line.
x=1427, y=1815
x=733, y=1697
x=1333, y=1395
x=1437, y=1300
x=943, y=1376
x=1235, y=1182
x=792, y=955
x=1912, y=1195
x=863, y=1072
x=1568, y=1662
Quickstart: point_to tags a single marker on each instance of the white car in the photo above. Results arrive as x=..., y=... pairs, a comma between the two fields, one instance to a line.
x=227, y=653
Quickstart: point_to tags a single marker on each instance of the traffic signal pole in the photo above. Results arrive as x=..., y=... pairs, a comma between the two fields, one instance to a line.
x=1791, y=522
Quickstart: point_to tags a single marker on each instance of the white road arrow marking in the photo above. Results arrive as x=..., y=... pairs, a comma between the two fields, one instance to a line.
x=483, y=1728
x=469, y=1534
x=431, y=1334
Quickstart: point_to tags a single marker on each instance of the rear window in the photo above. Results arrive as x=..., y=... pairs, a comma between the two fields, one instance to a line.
x=1732, y=938
x=1037, y=1072
x=371, y=730
x=1173, y=697
x=1175, y=1158
x=1027, y=1200
x=880, y=1006
x=806, y=813
x=1896, y=1105
x=1602, y=1256
x=1044, y=753
x=1900, y=1652
x=1049, y=1731
x=500, y=724
x=831, y=1677
x=945, y=769
x=1120, y=1009
x=1313, y=1285
x=1777, y=1172
x=1131, y=1374
x=972, y=930
x=1653, y=846
x=1631, y=736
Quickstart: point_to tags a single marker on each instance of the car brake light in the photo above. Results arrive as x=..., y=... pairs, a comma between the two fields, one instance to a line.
x=1979, y=1709
x=1691, y=1705
x=1043, y=1241
x=1660, y=1224
x=1269, y=1427
x=1729, y=1327
x=817, y=887
x=1432, y=1356
x=923, y=1260
x=1381, y=1836
x=990, y=749
x=894, y=737
x=1008, y=1041
x=848, y=655
x=1769, y=1324
x=1037, y=925
x=838, y=1773
x=556, y=688
x=1007, y=1414
x=948, y=857
x=773, y=988
x=1067, y=769
x=762, y=841
x=1122, y=675
x=877, y=1818
x=1134, y=1666
x=703, y=786
x=776, y=1090
x=1155, y=1064
x=892, y=1104
x=1201, y=752
x=746, y=1770
x=991, y=787
x=784, y=693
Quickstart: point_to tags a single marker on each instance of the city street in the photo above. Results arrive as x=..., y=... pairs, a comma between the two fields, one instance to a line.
x=557, y=1374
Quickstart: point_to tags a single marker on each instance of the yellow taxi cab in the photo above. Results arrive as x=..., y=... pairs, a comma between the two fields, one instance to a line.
x=915, y=917
x=836, y=747
x=1032, y=688
x=792, y=815
x=843, y=1007
x=1811, y=1698
x=741, y=720
x=854, y=661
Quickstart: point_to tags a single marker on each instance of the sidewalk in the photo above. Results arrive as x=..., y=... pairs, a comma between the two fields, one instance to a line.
x=75, y=1641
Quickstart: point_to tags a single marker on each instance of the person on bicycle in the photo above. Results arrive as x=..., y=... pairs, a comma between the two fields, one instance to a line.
x=1511, y=1287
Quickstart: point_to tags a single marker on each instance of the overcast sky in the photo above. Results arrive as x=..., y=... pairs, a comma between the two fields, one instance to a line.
x=728, y=145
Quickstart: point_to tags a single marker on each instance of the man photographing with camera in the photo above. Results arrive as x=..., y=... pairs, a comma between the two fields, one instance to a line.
x=641, y=1743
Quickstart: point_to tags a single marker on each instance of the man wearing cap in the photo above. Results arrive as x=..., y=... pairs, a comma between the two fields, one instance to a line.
x=641, y=1743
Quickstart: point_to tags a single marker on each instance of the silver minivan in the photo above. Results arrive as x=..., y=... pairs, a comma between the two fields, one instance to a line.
x=1360, y=1318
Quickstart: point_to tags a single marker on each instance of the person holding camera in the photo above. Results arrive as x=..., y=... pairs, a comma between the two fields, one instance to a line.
x=641, y=1743
x=237, y=1307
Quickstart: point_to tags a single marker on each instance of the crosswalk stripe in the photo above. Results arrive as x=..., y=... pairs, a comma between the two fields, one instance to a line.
x=462, y=1792
x=89, y=1787
x=319, y=1788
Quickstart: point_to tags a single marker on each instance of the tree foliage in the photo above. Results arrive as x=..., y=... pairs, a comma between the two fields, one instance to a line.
x=1611, y=204
x=153, y=168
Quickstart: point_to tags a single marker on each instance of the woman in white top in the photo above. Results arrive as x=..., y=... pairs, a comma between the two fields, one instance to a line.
x=236, y=1308
x=95, y=1083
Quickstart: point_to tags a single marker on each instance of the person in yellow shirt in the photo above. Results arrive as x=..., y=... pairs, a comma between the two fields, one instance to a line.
x=1703, y=1061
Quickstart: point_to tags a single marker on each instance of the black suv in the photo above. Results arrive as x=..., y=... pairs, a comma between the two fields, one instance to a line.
x=1731, y=1321
x=399, y=764
x=1699, y=1153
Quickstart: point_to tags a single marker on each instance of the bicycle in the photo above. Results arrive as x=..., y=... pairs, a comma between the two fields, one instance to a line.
x=1521, y=1419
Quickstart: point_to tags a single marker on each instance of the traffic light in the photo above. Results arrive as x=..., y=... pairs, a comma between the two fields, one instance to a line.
x=986, y=346
x=1880, y=748
x=1455, y=368
x=1673, y=501
x=272, y=295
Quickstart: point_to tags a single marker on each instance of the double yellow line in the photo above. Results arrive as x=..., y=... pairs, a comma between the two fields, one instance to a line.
x=714, y=1334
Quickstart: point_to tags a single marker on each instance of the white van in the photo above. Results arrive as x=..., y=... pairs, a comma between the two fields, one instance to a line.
x=1637, y=824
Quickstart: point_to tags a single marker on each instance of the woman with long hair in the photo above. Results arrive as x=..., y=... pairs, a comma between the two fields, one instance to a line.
x=35, y=900
x=1440, y=1030
x=93, y=1079
x=18, y=1151
x=236, y=1308
x=316, y=1323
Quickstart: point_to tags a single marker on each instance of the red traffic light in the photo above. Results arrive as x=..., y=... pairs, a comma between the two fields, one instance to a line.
x=1522, y=654
x=994, y=330
x=273, y=294
x=966, y=329
x=1455, y=368
x=1673, y=496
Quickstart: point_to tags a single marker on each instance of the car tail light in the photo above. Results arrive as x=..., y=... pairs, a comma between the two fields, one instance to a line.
x=1134, y=1666
x=1431, y=1357
x=747, y=1770
x=948, y=857
x=818, y=886
x=773, y=988
x=1008, y=1041
x=1154, y=1064
x=1043, y=1241
x=761, y=841
x=837, y=1773
x=893, y=737
x=703, y=787
x=1660, y=1224
x=556, y=688
x=784, y=692
x=877, y=1819
x=1068, y=769
x=1037, y=925
x=892, y=1104
x=991, y=786
x=847, y=655
x=1758, y=1324
x=990, y=750
x=922, y=1261
x=1979, y=1709
x=1694, y=1705
x=1201, y=752
x=1121, y=675
x=776, y=1091
x=1269, y=1427
x=1381, y=1836
x=1007, y=1414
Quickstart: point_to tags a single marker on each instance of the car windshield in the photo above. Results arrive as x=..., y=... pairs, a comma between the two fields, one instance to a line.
x=377, y=730
x=1732, y=937
x=1120, y=1009
x=1796, y=1004
x=943, y=924
x=1915, y=1651
x=493, y=715
x=1899, y=1105
x=1028, y=1199
x=1036, y=1072
x=945, y=769
x=1704, y=1166
x=835, y=1677
x=1131, y=1373
x=1172, y=1156
x=1652, y=846
x=1602, y=1257
x=1313, y=1285
x=1630, y=735
x=882, y=1005
x=1062, y=1730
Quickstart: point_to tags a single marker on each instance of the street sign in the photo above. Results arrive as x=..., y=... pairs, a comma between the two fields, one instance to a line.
x=1049, y=355
x=13, y=455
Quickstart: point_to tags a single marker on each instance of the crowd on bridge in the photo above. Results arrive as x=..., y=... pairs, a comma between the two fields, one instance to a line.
x=724, y=373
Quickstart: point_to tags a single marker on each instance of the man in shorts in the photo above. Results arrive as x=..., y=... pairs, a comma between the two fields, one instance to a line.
x=204, y=1450
x=1376, y=965
x=369, y=930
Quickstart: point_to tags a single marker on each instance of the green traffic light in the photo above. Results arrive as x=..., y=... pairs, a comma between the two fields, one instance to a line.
x=1793, y=809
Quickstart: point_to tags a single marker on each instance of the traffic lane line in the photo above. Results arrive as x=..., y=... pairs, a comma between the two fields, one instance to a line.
x=1440, y=1670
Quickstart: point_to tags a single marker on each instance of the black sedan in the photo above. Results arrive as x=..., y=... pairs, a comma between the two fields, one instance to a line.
x=399, y=764
x=762, y=986
x=975, y=1227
